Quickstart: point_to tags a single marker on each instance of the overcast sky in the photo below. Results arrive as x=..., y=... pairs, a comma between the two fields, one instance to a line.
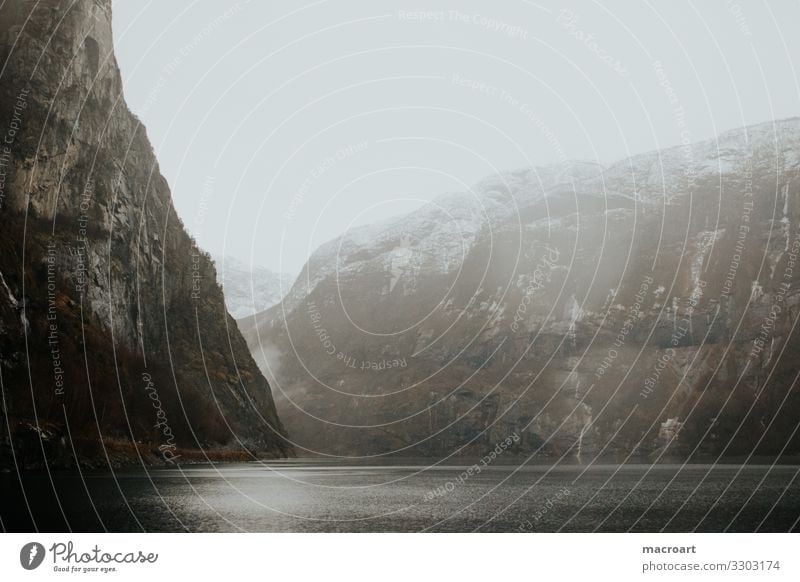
x=279, y=125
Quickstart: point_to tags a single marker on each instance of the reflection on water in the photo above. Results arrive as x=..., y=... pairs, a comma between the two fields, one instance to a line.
x=318, y=496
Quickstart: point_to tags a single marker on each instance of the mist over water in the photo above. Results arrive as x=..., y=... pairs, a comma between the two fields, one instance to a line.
x=405, y=496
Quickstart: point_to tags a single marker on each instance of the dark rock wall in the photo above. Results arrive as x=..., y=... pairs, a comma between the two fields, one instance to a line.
x=114, y=329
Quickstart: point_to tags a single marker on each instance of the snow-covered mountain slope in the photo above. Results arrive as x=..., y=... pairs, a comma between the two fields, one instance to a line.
x=580, y=306
x=248, y=288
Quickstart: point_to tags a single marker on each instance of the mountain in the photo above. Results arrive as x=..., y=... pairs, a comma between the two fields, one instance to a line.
x=116, y=344
x=249, y=289
x=641, y=310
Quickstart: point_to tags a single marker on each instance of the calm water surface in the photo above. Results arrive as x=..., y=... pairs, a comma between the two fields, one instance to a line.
x=307, y=496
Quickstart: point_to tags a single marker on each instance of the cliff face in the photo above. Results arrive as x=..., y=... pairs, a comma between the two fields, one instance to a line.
x=640, y=309
x=114, y=329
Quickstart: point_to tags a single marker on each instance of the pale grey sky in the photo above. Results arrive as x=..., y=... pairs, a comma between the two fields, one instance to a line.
x=244, y=101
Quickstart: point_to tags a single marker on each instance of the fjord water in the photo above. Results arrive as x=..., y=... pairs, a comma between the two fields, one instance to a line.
x=311, y=496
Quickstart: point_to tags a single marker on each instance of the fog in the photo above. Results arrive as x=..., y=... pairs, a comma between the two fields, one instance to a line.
x=279, y=126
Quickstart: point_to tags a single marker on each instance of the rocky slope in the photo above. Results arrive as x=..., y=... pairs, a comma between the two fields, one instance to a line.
x=116, y=344
x=645, y=309
x=249, y=289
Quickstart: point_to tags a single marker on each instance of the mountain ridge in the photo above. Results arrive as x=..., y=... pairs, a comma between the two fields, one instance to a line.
x=538, y=287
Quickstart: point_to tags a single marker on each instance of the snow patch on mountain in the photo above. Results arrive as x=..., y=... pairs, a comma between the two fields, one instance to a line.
x=250, y=288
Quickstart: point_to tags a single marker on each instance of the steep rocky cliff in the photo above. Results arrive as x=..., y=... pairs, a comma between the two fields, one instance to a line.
x=113, y=329
x=644, y=310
